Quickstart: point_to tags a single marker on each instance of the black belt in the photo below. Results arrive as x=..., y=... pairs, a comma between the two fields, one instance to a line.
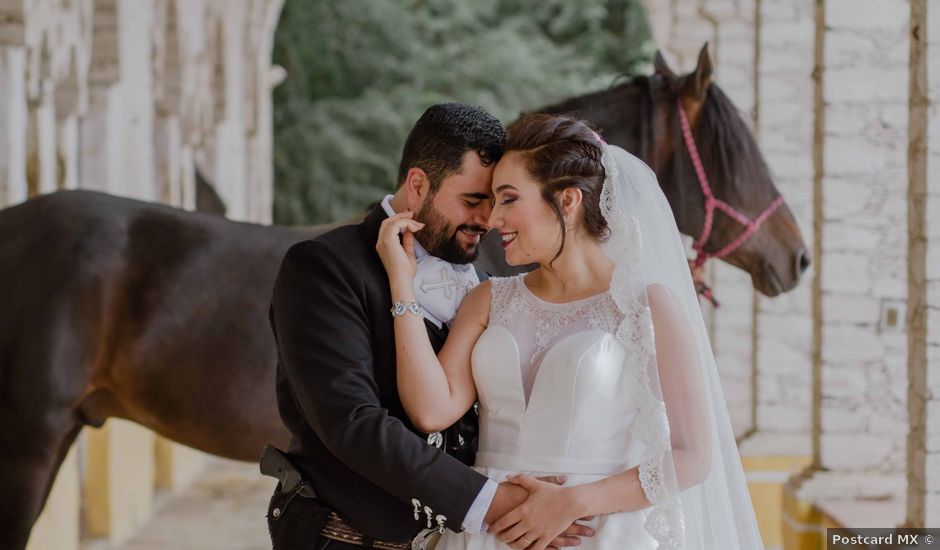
x=339, y=530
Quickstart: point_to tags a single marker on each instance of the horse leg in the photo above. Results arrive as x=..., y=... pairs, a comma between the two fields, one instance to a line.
x=43, y=375
x=26, y=478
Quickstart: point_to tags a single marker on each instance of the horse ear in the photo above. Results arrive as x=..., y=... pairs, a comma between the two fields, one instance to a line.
x=698, y=81
x=661, y=67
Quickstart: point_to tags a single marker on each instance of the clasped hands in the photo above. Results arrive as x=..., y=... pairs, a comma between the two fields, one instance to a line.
x=538, y=513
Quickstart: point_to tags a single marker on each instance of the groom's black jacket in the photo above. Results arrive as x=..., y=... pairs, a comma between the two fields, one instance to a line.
x=337, y=393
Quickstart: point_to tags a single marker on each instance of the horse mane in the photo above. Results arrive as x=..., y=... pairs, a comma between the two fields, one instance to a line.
x=721, y=136
x=625, y=112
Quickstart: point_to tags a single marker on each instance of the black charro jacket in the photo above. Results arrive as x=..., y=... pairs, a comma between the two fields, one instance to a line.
x=337, y=393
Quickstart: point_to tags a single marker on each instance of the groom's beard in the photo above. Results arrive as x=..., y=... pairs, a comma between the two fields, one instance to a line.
x=439, y=237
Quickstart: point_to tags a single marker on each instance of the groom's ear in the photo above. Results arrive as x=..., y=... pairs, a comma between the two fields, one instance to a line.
x=417, y=185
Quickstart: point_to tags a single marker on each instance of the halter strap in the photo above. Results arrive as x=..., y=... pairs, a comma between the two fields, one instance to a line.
x=711, y=203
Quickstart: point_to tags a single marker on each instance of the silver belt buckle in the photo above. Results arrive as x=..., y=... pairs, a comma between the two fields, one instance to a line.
x=426, y=540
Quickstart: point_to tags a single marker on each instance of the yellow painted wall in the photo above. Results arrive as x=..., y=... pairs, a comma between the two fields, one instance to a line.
x=766, y=478
x=804, y=523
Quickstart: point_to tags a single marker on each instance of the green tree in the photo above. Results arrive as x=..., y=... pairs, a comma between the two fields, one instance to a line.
x=360, y=72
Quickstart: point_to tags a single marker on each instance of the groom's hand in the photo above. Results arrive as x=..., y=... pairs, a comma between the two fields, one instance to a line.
x=572, y=535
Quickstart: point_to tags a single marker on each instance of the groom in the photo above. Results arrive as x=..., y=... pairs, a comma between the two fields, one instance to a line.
x=377, y=479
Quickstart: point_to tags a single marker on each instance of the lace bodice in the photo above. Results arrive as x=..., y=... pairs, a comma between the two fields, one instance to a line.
x=536, y=325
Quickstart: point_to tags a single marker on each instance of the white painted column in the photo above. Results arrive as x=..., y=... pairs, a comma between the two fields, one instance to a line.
x=13, y=124
x=117, y=136
x=229, y=165
x=42, y=156
x=260, y=123
x=136, y=18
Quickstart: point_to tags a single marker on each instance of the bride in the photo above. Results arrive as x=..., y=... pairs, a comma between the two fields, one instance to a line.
x=594, y=366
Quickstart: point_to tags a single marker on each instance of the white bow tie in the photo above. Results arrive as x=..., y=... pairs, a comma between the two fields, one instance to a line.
x=441, y=286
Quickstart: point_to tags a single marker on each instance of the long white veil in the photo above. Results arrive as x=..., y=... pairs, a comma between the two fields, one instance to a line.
x=690, y=469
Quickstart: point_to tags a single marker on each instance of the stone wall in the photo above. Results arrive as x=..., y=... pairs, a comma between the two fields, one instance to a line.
x=865, y=236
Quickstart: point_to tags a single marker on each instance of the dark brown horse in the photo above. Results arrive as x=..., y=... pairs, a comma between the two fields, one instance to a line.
x=111, y=307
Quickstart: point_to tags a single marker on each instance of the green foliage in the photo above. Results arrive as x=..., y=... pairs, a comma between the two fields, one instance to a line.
x=360, y=72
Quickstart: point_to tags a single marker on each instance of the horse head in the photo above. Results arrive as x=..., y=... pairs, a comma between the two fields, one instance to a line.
x=642, y=116
x=774, y=254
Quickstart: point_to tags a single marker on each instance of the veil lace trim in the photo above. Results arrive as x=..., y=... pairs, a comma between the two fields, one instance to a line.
x=665, y=521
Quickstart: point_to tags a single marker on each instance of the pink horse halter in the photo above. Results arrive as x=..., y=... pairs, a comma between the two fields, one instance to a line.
x=711, y=203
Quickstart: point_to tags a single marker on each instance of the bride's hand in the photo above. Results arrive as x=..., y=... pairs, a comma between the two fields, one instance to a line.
x=547, y=513
x=398, y=255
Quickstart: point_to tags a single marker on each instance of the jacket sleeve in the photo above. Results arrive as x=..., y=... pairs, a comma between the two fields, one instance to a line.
x=325, y=348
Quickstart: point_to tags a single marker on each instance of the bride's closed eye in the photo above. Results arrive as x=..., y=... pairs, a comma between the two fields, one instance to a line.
x=508, y=200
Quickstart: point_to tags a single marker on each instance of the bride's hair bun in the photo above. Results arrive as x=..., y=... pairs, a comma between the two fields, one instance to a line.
x=561, y=152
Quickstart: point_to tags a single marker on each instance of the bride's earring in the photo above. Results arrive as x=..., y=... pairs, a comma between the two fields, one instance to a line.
x=568, y=227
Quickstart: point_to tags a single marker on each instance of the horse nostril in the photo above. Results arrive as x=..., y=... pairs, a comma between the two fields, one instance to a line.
x=802, y=261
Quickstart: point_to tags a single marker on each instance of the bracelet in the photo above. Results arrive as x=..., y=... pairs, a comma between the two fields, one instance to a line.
x=400, y=308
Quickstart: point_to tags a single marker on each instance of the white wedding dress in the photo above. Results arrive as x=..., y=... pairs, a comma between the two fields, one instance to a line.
x=555, y=399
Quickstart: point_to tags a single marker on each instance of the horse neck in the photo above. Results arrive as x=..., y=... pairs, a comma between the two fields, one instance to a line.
x=623, y=114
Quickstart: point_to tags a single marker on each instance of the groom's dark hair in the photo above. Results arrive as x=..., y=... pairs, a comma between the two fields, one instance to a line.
x=444, y=134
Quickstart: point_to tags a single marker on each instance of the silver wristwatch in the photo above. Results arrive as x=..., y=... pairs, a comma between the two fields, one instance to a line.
x=400, y=308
